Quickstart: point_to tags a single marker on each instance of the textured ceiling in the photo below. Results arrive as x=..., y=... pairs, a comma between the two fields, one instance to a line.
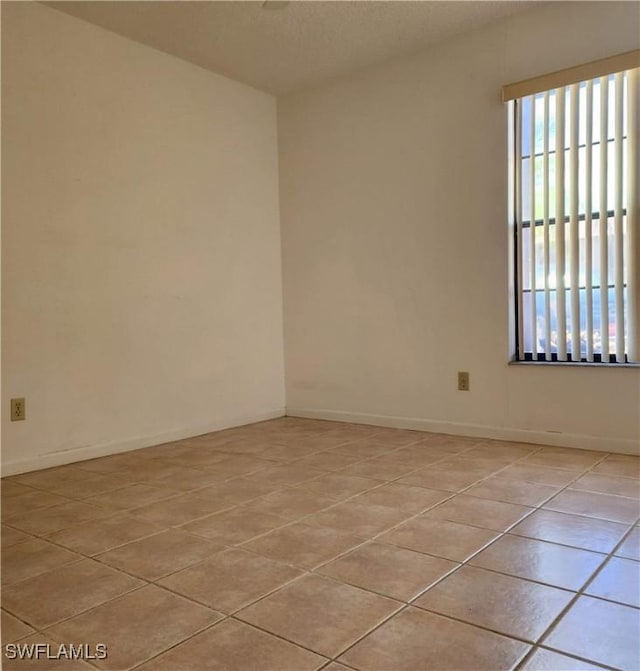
x=281, y=50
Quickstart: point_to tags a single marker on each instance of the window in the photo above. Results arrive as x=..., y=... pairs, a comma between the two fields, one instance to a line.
x=574, y=180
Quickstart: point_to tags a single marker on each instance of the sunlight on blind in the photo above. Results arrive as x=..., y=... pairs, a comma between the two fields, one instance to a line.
x=576, y=217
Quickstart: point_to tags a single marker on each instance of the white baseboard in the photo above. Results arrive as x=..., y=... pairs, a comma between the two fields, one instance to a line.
x=83, y=453
x=60, y=458
x=617, y=445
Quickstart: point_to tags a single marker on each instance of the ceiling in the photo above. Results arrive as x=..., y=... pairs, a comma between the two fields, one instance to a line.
x=281, y=50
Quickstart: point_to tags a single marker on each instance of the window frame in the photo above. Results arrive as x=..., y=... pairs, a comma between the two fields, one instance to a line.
x=516, y=226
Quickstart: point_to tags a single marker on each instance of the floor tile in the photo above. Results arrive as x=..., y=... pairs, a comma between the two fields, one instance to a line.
x=153, y=632
x=505, y=604
x=151, y=471
x=297, y=495
x=51, y=478
x=327, y=461
x=439, y=443
x=28, y=559
x=34, y=499
x=13, y=629
x=416, y=456
x=365, y=449
x=603, y=506
x=59, y=517
x=564, y=457
x=244, y=447
x=288, y=453
x=238, y=646
x=11, y=536
x=587, y=533
x=287, y=475
x=341, y=486
x=619, y=464
x=512, y=491
x=351, y=432
x=319, y=614
x=581, y=632
x=498, y=448
x=91, y=484
x=548, y=563
x=449, y=480
x=10, y=489
x=113, y=463
x=251, y=434
x=608, y=484
x=177, y=510
x=132, y=496
x=236, y=491
x=404, y=497
x=200, y=457
x=619, y=580
x=441, y=538
x=303, y=545
x=548, y=660
x=292, y=503
x=176, y=447
x=630, y=548
x=389, y=437
x=97, y=536
x=455, y=443
x=235, y=526
x=182, y=478
x=69, y=590
x=391, y=571
x=378, y=468
x=416, y=639
x=476, y=512
x=544, y=475
x=230, y=579
x=328, y=440
x=157, y=556
x=360, y=519
x=465, y=463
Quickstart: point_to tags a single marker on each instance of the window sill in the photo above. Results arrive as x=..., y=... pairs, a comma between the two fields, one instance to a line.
x=575, y=364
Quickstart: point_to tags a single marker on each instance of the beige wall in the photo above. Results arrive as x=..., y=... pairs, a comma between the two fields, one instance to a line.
x=393, y=206
x=141, y=245
x=141, y=251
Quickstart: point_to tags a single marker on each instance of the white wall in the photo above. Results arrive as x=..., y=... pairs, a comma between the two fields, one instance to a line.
x=141, y=250
x=395, y=244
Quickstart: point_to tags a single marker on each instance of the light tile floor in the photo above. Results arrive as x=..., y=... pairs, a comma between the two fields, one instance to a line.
x=294, y=544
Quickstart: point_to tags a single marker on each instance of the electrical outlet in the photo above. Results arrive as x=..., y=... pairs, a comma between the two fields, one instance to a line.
x=463, y=381
x=18, y=412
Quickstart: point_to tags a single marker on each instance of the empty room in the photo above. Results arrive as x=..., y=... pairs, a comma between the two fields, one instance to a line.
x=320, y=336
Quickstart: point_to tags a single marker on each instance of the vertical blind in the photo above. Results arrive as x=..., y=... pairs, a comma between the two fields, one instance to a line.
x=576, y=220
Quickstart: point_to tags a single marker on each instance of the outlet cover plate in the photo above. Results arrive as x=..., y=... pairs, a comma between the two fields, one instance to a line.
x=463, y=381
x=18, y=411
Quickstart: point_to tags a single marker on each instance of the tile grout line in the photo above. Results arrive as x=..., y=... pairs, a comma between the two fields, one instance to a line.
x=144, y=580
x=375, y=537
x=365, y=541
x=300, y=520
x=231, y=616
x=580, y=592
x=410, y=603
x=148, y=582
x=289, y=486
